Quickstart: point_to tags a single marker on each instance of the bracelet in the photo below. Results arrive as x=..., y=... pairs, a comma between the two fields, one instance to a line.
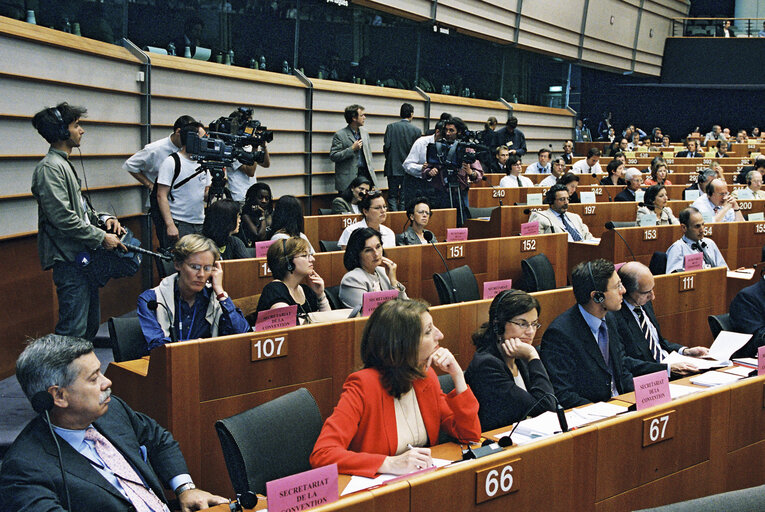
x=221, y=296
x=184, y=487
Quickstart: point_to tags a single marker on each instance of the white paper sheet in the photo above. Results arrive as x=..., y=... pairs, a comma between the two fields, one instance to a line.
x=746, y=273
x=727, y=343
x=359, y=483
x=714, y=379
x=678, y=390
x=741, y=371
x=700, y=363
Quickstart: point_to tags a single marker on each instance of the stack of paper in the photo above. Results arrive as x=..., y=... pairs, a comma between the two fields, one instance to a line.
x=714, y=379
x=726, y=344
x=700, y=363
x=359, y=483
x=678, y=390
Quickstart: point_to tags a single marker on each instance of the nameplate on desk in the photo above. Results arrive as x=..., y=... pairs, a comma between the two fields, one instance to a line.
x=456, y=234
x=455, y=251
x=759, y=228
x=492, y=288
x=587, y=197
x=534, y=198
x=530, y=228
x=261, y=248
x=659, y=428
x=639, y=195
x=651, y=389
x=691, y=195
x=693, y=261
x=304, y=490
x=761, y=361
x=648, y=219
x=496, y=481
x=278, y=318
x=372, y=300
x=269, y=347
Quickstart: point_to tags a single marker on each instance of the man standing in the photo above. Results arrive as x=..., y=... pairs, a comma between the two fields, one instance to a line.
x=557, y=219
x=68, y=226
x=499, y=162
x=634, y=179
x=351, y=151
x=715, y=134
x=582, y=349
x=398, y=140
x=568, y=152
x=116, y=458
x=589, y=165
x=638, y=326
x=511, y=137
x=181, y=191
x=144, y=165
x=542, y=165
x=718, y=203
x=693, y=241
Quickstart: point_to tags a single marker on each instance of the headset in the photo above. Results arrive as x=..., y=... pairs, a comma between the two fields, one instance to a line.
x=290, y=262
x=599, y=297
x=62, y=129
x=493, y=309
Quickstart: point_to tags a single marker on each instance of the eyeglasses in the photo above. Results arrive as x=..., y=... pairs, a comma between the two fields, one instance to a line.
x=197, y=268
x=524, y=325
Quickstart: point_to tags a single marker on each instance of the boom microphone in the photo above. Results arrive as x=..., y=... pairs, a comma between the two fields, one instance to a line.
x=42, y=403
x=135, y=248
x=610, y=225
x=429, y=238
x=153, y=305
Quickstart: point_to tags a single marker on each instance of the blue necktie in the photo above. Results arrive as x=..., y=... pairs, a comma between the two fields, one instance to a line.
x=571, y=229
x=603, y=346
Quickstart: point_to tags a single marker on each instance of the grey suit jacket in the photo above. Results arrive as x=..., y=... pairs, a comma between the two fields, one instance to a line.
x=31, y=480
x=549, y=222
x=399, y=137
x=357, y=282
x=346, y=159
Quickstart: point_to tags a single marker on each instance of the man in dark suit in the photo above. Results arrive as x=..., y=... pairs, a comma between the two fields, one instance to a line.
x=511, y=137
x=634, y=179
x=747, y=315
x=399, y=137
x=759, y=165
x=115, y=458
x=639, y=328
x=581, y=349
x=351, y=151
x=691, y=150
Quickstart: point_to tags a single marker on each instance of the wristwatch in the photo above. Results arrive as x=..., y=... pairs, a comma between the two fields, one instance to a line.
x=184, y=487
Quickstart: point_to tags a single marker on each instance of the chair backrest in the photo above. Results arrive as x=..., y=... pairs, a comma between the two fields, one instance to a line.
x=624, y=224
x=328, y=245
x=248, y=305
x=537, y=274
x=458, y=285
x=658, y=263
x=477, y=213
x=127, y=339
x=254, y=445
x=333, y=296
x=719, y=323
x=325, y=211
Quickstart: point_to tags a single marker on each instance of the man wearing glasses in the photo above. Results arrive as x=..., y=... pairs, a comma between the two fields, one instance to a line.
x=639, y=327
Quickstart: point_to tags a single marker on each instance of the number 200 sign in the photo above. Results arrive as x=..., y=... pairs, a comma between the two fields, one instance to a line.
x=497, y=481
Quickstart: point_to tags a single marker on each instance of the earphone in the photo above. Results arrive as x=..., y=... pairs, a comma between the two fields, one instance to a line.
x=290, y=263
x=62, y=129
x=493, y=309
x=599, y=297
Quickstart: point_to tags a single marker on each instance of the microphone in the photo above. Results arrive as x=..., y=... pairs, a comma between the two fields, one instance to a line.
x=527, y=211
x=649, y=206
x=42, y=403
x=246, y=500
x=153, y=305
x=429, y=238
x=610, y=225
x=135, y=248
x=558, y=410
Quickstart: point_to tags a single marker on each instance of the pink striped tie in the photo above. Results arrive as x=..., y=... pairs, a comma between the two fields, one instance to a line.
x=142, y=497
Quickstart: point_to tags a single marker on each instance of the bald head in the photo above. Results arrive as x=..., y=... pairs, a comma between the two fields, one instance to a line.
x=638, y=281
x=717, y=190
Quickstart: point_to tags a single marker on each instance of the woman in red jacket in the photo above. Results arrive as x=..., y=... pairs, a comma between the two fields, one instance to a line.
x=394, y=408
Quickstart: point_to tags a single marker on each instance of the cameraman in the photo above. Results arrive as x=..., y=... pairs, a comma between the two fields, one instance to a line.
x=241, y=177
x=144, y=165
x=68, y=227
x=441, y=194
x=182, y=208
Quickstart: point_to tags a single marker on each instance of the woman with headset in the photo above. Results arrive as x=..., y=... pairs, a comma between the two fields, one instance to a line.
x=295, y=281
x=506, y=374
x=419, y=213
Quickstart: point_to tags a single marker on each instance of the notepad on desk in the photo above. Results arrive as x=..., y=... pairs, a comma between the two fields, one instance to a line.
x=710, y=379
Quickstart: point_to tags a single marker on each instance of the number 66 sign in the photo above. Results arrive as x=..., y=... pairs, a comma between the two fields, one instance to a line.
x=497, y=481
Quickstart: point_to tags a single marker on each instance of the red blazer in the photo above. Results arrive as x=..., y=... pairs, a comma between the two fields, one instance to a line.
x=361, y=431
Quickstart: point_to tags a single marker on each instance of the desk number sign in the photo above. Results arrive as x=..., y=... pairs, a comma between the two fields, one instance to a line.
x=497, y=481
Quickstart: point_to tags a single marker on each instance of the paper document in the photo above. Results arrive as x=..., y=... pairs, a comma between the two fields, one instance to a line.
x=678, y=390
x=749, y=362
x=710, y=379
x=700, y=363
x=741, y=371
x=727, y=343
x=746, y=273
x=334, y=315
x=359, y=483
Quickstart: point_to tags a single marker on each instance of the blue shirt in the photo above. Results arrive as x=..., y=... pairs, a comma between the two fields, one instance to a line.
x=76, y=439
x=704, y=205
x=680, y=249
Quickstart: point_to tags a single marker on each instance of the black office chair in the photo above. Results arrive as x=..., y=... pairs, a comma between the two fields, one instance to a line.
x=762, y=255
x=127, y=339
x=537, y=274
x=719, y=323
x=328, y=245
x=164, y=268
x=476, y=213
x=624, y=224
x=325, y=211
x=447, y=385
x=465, y=285
x=333, y=296
x=254, y=445
x=658, y=263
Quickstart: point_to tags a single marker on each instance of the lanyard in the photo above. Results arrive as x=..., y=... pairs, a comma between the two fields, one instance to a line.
x=180, y=321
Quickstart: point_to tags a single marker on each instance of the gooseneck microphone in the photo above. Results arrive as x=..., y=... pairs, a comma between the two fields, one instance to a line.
x=610, y=225
x=153, y=305
x=558, y=411
x=429, y=238
x=42, y=403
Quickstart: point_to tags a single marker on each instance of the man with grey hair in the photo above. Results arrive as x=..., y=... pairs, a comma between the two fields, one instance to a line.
x=715, y=134
x=718, y=204
x=634, y=179
x=116, y=458
x=753, y=186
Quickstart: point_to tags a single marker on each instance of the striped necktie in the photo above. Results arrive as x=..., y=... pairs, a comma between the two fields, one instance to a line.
x=656, y=350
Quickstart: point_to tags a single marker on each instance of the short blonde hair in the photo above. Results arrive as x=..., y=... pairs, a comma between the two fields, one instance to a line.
x=192, y=244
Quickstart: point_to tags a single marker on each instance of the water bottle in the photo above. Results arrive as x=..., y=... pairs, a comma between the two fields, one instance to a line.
x=231, y=57
x=67, y=26
x=253, y=63
x=31, y=17
x=263, y=62
x=187, y=52
x=285, y=68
